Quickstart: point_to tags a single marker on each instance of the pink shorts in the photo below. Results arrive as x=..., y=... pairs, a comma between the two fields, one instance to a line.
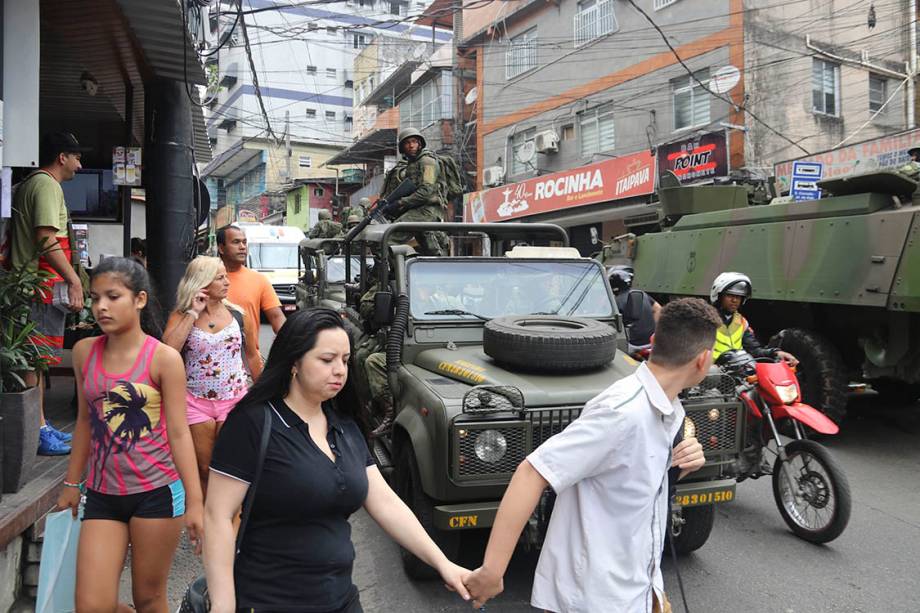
x=199, y=410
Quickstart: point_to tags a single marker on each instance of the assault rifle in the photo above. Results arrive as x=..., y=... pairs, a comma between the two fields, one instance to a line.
x=382, y=207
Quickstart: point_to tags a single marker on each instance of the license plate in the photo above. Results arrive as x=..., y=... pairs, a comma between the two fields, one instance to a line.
x=290, y=307
x=715, y=495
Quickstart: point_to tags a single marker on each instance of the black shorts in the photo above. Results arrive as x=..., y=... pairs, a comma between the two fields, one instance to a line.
x=164, y=502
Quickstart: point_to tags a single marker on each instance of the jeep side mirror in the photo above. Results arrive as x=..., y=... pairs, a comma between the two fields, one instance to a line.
x=383, y=308
x=633, y=309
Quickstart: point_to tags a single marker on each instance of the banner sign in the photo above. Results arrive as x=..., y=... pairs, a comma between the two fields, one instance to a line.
x=702, y=157
x=887, y=152
x=615, y=179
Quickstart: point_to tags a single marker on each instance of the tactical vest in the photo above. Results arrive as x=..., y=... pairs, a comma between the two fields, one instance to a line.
x=729, y=336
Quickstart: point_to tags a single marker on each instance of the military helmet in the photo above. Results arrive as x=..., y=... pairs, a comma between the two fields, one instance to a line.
x=324, y=214
x=409, y=133
x=734, y=283
x=620, y=278
x=364, y=203
x=352, y=219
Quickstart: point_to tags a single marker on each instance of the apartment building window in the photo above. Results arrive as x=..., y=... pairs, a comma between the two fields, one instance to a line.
x=568, y=132
x=878, y=92
x=597, y=130
x=691, y=101
x=825, y=87
x=422, y=106
x=305, y=161
x=398, y=8
x=297, y=203
x=594, y=18
x=359, y=41
x=330, y=114
x=311, y=70
x=522, y=54
x=660, y=4
x=318, y=192
x=330, y=73
x=311, y=113
x=518, y=166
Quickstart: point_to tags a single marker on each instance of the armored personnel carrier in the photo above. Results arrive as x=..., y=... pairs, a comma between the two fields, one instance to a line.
x=836, y=280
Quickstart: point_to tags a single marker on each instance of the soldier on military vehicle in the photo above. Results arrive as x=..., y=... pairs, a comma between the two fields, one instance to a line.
x=428, y=201
x=359, y=210
x=351, y=222
x=325, y=227
x=729, y=292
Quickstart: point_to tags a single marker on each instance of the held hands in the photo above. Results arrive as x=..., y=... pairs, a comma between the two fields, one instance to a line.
x=483, y=585
x=454, y=576
x=688, y=456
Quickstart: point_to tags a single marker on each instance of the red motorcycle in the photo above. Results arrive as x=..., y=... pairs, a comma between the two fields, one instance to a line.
x=810, y=489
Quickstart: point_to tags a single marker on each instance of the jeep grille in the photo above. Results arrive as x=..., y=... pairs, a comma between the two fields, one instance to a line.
x=718, y=428
x=521, y=438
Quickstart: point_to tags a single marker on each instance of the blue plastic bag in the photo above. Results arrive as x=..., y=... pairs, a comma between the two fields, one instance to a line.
x=57, y=574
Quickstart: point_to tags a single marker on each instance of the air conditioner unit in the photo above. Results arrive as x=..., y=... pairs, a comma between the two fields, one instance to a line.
x=547, y=141
x=493, y=175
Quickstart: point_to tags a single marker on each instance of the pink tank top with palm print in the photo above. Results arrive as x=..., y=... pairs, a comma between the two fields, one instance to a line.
x=129, y=443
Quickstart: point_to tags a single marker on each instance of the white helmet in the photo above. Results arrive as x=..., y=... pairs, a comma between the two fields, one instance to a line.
x=736, y=283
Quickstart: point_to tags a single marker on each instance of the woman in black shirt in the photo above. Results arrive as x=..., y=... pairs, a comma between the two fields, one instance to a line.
x=297, y=553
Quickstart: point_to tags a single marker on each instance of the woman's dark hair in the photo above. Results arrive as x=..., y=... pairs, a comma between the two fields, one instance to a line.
x=134, y=276
x=296, y=337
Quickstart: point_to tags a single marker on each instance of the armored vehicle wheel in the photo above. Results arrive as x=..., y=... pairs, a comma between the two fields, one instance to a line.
x=695, y=531
x=409, y=488
x=549, y=342
x=821, y=372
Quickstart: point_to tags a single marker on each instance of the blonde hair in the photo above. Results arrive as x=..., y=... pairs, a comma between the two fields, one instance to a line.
x=199, y=274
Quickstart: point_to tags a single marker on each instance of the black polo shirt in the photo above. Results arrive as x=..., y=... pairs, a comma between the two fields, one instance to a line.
x=296, y=553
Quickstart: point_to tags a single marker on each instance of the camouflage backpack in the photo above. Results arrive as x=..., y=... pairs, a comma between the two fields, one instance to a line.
x=451, y=177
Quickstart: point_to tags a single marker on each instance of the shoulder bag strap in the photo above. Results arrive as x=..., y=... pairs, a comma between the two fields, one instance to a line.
x=260, y=462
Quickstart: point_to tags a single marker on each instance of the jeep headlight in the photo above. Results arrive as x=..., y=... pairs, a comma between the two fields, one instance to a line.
x=490, y=446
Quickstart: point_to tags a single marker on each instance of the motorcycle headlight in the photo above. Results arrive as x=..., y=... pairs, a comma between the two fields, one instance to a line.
x=787, y=393
x=490, y=446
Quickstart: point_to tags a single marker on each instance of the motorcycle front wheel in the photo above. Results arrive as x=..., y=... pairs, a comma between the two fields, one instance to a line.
x=811, y=492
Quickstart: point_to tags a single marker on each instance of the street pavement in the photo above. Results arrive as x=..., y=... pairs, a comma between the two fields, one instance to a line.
x=752, y=562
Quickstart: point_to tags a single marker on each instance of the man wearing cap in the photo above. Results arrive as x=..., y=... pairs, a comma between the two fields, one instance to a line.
x=41, y=240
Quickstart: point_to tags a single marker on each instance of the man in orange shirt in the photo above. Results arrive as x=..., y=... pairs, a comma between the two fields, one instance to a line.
x=249, y=289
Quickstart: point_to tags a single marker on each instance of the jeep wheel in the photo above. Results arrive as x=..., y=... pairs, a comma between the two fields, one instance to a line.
x=821, y=372
x=695, y=530
x=409, y=488
x=548, y=342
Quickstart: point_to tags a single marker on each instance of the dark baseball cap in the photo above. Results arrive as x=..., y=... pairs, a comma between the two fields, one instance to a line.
x=54, y=143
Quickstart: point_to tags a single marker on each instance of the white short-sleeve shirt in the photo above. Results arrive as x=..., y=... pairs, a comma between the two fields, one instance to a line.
x=609, y=470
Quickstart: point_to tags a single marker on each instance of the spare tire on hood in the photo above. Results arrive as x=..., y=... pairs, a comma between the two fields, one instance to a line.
x=549, y=342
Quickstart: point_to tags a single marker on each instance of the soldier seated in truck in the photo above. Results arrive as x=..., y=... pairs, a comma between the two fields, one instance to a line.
x=729, y=292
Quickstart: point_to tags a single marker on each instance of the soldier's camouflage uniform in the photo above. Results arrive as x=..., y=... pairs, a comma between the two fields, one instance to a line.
x=325, y=228
x=426, y=203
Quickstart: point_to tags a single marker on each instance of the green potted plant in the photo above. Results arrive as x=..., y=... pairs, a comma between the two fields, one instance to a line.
x=20, y=351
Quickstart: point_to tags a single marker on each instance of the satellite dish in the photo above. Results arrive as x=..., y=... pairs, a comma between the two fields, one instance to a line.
x=471, y=96
x=724, y=79
x=527, y=151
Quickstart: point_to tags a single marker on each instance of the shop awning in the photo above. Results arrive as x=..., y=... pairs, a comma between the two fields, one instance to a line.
x=371, y=147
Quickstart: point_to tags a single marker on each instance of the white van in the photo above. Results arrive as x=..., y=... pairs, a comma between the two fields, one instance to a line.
x=273, y=251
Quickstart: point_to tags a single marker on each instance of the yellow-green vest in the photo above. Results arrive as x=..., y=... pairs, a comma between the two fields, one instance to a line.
x=729, y=336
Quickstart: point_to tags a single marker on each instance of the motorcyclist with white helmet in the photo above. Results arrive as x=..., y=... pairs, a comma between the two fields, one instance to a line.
x=729, y=292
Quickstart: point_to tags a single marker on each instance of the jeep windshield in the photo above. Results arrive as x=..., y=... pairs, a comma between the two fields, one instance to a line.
x=335, y=269
x=443, y=289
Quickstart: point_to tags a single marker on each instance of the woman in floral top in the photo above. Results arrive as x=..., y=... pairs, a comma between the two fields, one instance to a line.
x=208, y=331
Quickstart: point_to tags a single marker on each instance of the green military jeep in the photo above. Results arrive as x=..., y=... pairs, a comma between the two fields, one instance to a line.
x=488, y=355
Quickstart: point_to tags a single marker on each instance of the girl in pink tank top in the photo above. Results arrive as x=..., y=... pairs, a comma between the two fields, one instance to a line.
x=133, y=446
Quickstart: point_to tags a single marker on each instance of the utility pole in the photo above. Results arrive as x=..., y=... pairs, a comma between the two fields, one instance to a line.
x=912, y=67
x=287, y=141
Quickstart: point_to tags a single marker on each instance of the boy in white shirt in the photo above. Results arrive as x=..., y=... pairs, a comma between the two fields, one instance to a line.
x=609, y=471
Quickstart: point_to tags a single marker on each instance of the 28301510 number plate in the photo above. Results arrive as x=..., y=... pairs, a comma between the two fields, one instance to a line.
x=704, y=496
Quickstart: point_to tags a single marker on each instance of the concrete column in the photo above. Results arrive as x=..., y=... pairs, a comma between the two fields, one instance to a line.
x=168, y=181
